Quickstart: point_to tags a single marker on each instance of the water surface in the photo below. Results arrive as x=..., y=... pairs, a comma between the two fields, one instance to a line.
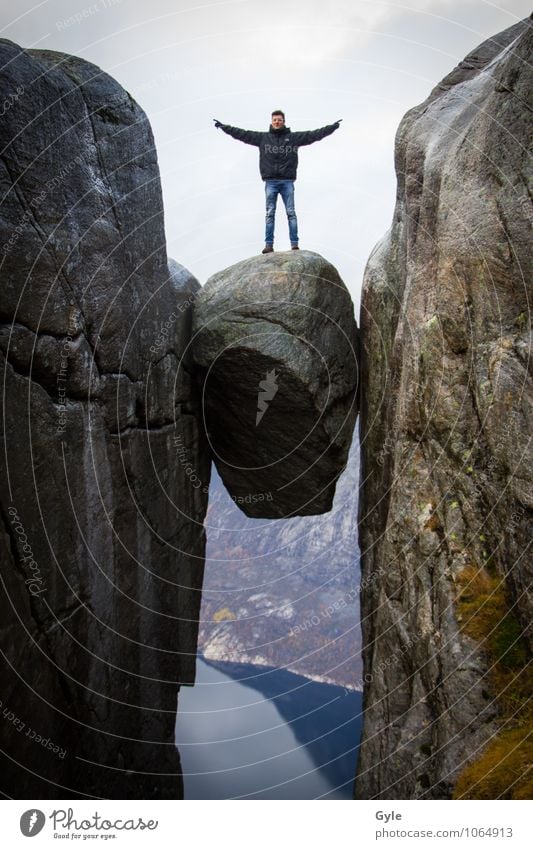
x=259, y=733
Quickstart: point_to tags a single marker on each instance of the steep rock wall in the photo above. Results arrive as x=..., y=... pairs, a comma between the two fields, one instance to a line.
x=102, y=538
x=446, y=495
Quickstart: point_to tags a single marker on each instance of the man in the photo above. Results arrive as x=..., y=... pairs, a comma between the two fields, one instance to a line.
x=278, y=162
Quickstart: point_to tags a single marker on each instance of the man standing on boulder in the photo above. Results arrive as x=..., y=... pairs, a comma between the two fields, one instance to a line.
x=278, y=162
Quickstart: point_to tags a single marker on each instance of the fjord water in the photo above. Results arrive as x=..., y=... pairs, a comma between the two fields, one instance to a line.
x=260, y=733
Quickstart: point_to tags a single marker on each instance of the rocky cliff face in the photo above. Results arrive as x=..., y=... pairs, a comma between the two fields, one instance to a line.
x=102, y=539
x=445, y=509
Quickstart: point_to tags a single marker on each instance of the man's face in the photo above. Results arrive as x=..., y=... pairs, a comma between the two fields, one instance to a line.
x=278, y=121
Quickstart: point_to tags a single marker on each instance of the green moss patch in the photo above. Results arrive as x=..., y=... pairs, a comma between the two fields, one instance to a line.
x=505, y=767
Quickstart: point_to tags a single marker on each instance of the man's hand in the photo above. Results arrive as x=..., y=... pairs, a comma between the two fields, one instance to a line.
x=217, y=123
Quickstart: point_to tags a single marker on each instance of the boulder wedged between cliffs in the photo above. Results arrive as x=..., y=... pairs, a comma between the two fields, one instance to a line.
x=275, y=346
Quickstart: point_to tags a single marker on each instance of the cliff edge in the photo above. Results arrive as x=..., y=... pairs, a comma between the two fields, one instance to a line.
x=102, y=547
x=446, y=412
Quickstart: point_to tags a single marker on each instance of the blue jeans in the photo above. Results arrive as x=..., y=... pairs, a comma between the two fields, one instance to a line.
x=286, y=189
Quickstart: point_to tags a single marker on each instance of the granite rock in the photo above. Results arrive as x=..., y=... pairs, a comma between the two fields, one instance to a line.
x=275, y=346
x=102, y=545
x=446, y=418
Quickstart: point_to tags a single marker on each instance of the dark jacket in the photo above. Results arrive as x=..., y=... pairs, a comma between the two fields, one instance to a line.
x=278, y=148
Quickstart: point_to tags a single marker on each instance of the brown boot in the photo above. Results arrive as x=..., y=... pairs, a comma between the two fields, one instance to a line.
x=268, y=249
x=295, y=248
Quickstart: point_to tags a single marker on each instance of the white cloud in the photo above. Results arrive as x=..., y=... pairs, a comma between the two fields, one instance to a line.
x=187, y=61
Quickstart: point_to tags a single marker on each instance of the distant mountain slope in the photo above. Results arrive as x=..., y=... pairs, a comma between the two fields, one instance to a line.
x=285, y=593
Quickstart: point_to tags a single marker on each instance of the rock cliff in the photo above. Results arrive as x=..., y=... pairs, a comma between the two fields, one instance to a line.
x=275, y=344
x=446, y=497
x=102, y=539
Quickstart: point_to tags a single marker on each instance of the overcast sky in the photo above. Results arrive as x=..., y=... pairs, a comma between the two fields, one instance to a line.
x=188, y=61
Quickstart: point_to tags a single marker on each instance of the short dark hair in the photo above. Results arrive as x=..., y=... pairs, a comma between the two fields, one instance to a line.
x=278, y=112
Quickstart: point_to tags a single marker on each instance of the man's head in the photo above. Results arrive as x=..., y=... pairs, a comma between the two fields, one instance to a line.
x=278, y=119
